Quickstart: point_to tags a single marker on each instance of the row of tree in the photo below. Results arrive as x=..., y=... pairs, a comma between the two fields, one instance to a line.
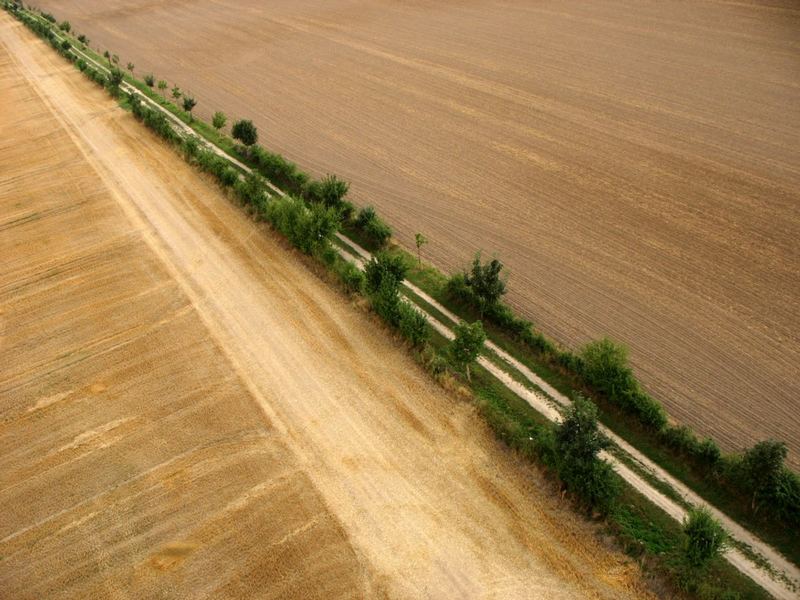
x=757, y=477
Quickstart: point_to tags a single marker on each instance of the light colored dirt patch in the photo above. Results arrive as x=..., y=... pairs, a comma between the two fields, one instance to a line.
x=363, y=478
x=634, y=162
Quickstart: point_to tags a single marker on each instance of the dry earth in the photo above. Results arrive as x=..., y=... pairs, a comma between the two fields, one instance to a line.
x=634, y=162
x=187, y=411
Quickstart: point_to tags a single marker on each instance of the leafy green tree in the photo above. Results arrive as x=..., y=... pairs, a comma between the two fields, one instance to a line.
x=466, y=346
x=381, y=266
x=176, y=92
x=420, y=240
x=83, y=39
x=485, y=282
x=330, y=191
x=162, y=86
x=150, y=80
x=578, y=442
x=131, y=67
x=761, y=468
x=188, y=105
x=65, y=45
x=704, y=538
x=244, y=131
x=65, y=26
x=218, y=120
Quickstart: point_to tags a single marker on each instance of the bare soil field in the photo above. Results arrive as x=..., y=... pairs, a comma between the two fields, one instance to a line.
x=187, y=411
x=634, y=162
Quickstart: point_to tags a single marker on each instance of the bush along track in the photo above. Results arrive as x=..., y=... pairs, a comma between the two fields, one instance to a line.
x=515, y=376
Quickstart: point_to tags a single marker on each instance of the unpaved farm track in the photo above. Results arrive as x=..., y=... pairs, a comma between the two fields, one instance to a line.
x=634, y=162
x=185, y=410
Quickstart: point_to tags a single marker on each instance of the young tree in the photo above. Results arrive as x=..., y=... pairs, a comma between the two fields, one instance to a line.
x=150, y=80
x=218, y=120
x=115, y=59
x=245, y=132
x=131, y=67
x=162, y=86
x=466, y=346
x=420, y=240
x=115, y=78
x=188, y=104
x=65, y=26
x=705, y=538
x=485, y=282
x=176, y=92
x=107, y=56
x=83, y=39
x=578, y=442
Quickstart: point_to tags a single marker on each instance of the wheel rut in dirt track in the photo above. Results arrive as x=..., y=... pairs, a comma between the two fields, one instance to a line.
x=428, y=504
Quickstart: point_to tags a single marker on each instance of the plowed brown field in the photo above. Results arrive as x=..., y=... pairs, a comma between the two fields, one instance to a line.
x=186, y=411
x=634, y=162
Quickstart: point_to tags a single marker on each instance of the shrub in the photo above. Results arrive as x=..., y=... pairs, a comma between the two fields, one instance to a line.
x=330, y=191
x=704, y=538
x=245, y=132
x=83, y=39
x=150, y=80
x=279, y=171
x=604, y=366
x=578, y=442
x=376, y=232
x=65, y=26
x=81, y=64
x=365, y=215
x=49, y=17
x=162, y=86
x=252, y=191
x=229, y=176
x=65, y=45
x=308, y=229
x=218, y=120
x=466, y=346
x=386, y=300
x=155, y=120
x=190, y=147
x=413, y=325
x=351, y=276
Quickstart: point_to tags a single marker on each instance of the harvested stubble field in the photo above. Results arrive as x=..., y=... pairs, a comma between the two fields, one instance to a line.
x=634, y=162
x=187, y=411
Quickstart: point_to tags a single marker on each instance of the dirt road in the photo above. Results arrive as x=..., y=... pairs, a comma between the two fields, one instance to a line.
x=635, y=163
x=185, y=407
